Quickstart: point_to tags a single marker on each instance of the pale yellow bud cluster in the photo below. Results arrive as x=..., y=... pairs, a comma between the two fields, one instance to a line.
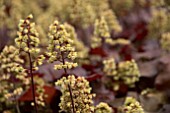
x=39, y=61
x=9, y=54
x=80, y=48
x=72, y=55
x=147, y=91
x=27, y=40
x=126, y=71
x=112, y=21
x=70, y=29
x=21, y=74
x=158, y=24
x=131, y=105
x=40, y=98
x=11, y=69
x=165, y=41
x=10, y=64
x=81, y=92
x=103, y=108
x=101, y=28
x=60, y=46
x=23, y=8
x=101, y=32
x=102, y=8
x=67, y=65
x=110, y=67
x=17, y=91
x=81, y=13
x=119, y=41
x=96, y=42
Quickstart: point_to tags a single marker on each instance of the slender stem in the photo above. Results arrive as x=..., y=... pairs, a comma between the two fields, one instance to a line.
x=17, y=106
x=69, y=87
x=32, y=82
x=72, y=101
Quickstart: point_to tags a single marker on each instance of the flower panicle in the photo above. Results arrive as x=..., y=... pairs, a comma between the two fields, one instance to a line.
x=131, y=105
x=81, y=92
x=27, y=39
x=103, y=108
x=60, y=47
x=125, y=71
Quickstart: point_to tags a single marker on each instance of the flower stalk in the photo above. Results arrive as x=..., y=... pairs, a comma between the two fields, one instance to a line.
x=32, y=82
x=28, y=42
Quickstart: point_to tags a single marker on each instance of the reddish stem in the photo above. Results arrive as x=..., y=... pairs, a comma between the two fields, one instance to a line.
x=69, y=87
x=32, y=82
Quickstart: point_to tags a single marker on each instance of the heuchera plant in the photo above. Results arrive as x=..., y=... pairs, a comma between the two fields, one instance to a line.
x=116, y=44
